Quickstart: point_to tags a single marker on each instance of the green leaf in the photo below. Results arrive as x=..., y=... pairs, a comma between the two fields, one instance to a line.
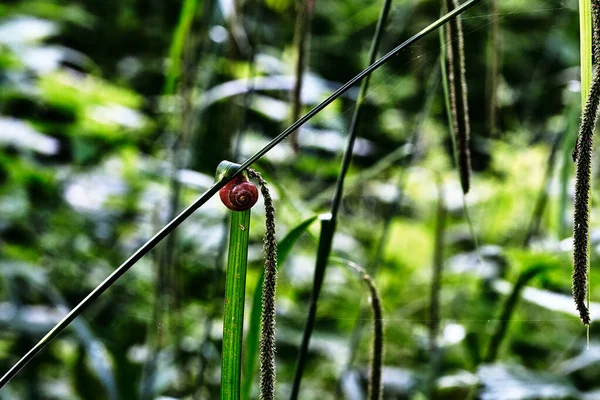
x=283, y=250
x=226, y=169
x=233, y=319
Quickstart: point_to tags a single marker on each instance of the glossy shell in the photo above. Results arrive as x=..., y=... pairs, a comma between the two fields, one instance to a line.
x=239, y=194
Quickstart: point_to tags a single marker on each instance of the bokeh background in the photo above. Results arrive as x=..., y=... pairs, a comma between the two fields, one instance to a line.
x=115, y=114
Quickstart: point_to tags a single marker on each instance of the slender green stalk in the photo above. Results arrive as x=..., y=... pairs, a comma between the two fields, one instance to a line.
x=304, y=9
x=328, y=229
x=542, y=199
x=493, y=69
x=324, y=248
x=188, y=11
x=202, y=199
x=247, y=100
x=455, y=156
x=585, y=47
x=252, y=338
x=436, y=280
x=375, y=262
x=170, y=289
x=233, y=319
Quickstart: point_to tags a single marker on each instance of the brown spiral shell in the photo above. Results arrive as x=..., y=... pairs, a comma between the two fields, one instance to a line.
x=239, y=194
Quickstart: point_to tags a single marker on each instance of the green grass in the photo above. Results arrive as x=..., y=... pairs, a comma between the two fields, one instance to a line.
x=233, y=319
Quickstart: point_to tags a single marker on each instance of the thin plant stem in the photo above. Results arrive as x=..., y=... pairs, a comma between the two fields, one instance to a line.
x=436, y=280
x=324, y=246
x=542, y=199
x=180, y=160
x=396, y=204
x=210, y=192
x=304, y=10
x=493, y=71
x=585, y=47
x=328, y=231
x=186, y=18
x=249, y=93
x=455, y=156
x=235, y=294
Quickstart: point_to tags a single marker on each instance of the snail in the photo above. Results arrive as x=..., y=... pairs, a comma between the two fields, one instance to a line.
x=239, y=194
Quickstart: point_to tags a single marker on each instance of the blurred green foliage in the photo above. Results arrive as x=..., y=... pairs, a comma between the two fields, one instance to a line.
x=97, y=155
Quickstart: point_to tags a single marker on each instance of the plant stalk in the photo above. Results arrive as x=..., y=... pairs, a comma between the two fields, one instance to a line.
x=328, y=229
x=233, y=319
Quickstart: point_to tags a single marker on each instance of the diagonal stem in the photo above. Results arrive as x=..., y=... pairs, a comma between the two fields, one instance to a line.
x=328, y=230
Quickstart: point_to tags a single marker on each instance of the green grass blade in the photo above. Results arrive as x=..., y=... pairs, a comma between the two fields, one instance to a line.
x=585, y=43
x=446, y=89
x=185, y=22
x=356, y=117
x=324, y=248
x=233, y=319
x=283, y=250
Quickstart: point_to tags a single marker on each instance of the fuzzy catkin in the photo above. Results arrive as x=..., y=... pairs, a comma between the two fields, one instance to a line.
x=595, y=53
x=458, y=91
x=267, y=320
x=375, y=380
x=375, y=388
x=583, y=172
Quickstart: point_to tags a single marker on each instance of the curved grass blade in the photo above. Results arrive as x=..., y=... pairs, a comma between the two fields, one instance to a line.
x=210, y=192
x=252, y=337
x=235, y=292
